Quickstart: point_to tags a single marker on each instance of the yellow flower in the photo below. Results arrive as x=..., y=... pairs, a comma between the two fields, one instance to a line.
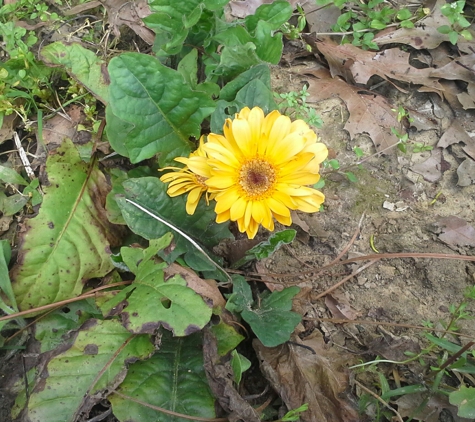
x=183, y=180
x=260, y=168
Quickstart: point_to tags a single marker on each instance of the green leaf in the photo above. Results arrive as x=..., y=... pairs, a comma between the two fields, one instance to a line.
x=453, y=37
x=151, y=301
x=257, y=94
x=67, y=243
x=269, y=45
x=272, y=321
x=351, y=177
x=267, y=247
x=236, y=60
x=173, y=379
x=226, y=336
x=14, y=203
x=444, y=29
x=150, y=193
x=188, y=68
x=8, y=175
x=49, y=329
x=464, y=399
x=241, y=297
x=171, y=22
x=240, y=364
x=71, y=379
x=81, y=64
x=404, y=14
x=158, y=110
x=260, y=72
x=377, y=24
x=5, y=285
x=274, y=14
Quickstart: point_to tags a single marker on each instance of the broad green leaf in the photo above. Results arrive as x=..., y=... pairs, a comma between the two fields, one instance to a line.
x=158, y=110
x=70, y=380
x=260, y=72
x=152, y=302
x=270, y=318
x=67, y=243
x=173, y=378
x=464, y=399
x=171, y=21
x=274, y=14
x=81, y=64
x=215, y=4
x=257, y=94
x=240, y=364
x=8, y=175
x=267, y=247
x=226, y=336
x=273, y=322
x=150, y=193
x=235, y=60
x=14, y=203
x=50, y=328
x=269, y=45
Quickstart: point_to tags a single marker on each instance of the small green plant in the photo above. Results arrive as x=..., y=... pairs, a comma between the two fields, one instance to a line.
x=360, y=21
x=438, y=360
x=293, y=32
x=294, y=104
x=458, y=22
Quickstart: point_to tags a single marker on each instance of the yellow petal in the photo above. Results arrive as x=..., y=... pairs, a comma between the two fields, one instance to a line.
x=200, y=166
x=225, y=199
x=242, y=135
x=220, y=182
x=216, y=150
x=193, y=200
x=277, y=207
x=251, y=229
x=238, y=209
x=222, y=217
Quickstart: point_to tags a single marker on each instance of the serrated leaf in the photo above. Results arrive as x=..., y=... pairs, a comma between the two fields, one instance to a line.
x=150, y=193
x=67, y=243
x=272, y=321
x=159, y=111
x=188, y=68
x=267, y=247
x=173, y=378
x=81, y=64
x=464, y=399
x=67, y=385
x=151, y=302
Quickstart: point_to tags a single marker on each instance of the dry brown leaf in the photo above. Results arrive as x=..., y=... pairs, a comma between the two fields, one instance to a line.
x=6, y=130
x=461, y=68
x=424, y=35
x=207, y=289
x=453, y=135
x=358, y=66
x=369, y=113
x=432, y=168
x=393, y=348
x=220, y=380
x=124, y=12
x=456, y=231
x=340, y=307
x=300, y=376
x=466, y=173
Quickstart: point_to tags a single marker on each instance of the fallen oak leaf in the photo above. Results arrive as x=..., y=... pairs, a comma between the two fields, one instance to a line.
x=369, y=113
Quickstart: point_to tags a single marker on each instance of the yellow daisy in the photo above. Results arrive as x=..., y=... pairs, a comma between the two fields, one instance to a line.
x=260, y=168
x=183, y=180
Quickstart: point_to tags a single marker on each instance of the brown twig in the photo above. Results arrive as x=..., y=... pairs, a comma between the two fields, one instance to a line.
x=169, y=412
x=384, y=403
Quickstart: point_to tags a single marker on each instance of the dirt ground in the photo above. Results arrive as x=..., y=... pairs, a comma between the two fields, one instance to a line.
x=402, y=291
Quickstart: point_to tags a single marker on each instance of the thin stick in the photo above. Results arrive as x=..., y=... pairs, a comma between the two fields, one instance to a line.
x=23, y=157
x=169, y=412
x=385, y=404
x=156, y=217
x=335, y=286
